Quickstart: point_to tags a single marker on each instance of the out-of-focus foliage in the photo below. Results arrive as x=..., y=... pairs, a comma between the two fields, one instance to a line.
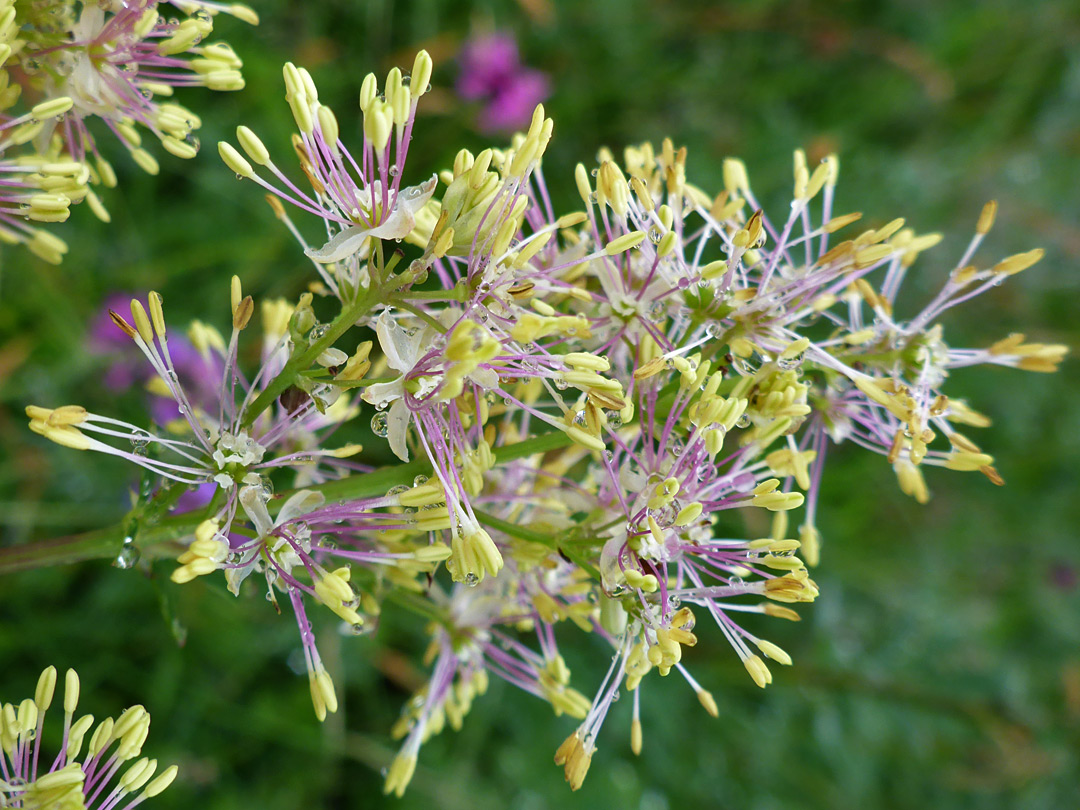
x=942, y=662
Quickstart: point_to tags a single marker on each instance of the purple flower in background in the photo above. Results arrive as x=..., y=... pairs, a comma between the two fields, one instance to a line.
x=128, y=365
x=491, y=72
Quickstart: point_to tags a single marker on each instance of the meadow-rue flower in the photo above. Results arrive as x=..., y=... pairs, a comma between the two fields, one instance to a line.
x=213, y=440
x=112, y=59
x=580, y=405
x=110, y=773
x=77, y=63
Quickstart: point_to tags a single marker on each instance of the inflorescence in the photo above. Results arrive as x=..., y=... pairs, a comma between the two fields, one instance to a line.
x=583, y=405
x=73, y=71
x=84, y=774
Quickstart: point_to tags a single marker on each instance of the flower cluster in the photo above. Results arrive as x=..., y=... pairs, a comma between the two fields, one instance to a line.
x=80, y=68
x=75, y=779
x=588, y=409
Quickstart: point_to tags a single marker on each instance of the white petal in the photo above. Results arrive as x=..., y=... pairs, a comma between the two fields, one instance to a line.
x=384, y=393
x=486, y=378
x=254, y=503
x=397, y=426
x=235, y=576
x=341, y=245
x=299, y=505
x=395, y=344
x=396, y=226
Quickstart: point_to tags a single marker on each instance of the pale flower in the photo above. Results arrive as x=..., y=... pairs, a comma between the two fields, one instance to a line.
x=403, y=349
x=397, y=225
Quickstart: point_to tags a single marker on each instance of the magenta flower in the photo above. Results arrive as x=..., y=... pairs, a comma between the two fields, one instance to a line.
x=491, y=72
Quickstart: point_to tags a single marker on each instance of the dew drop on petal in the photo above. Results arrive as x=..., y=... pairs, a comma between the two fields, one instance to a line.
x=380, y=425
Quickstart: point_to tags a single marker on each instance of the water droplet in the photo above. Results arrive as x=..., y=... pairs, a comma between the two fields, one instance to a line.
x=655, y=235
x=471, y=579
x=393, y=170
x=380, y=425
x=790, y=363
x=419, y=481
x=615, y=696
x=318, y=331
x=743, y=421
x=128, y=556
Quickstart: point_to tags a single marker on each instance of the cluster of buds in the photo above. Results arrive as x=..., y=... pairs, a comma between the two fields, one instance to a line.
x=70, y=71
x=587, y=409
x=83, y=775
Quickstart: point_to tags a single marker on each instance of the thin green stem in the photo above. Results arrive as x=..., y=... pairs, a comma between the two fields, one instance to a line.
x=350, y=314
x=419, y=313
x=153, y=538
x=528, y=535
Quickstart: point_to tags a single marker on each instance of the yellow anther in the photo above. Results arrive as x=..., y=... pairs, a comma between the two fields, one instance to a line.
x=986, y=218
x=1017, y=263
x=758, y=671
x=586, y=361
x=911, y=480
x=624, y=243
x=142, y=322
x=735, y=176
x=708, y=702
x=71, y=691
x=51, y=108
x=688, y=514
x=575, y=759
x=46, y=685
x=773, y=652
x=579, y=436
x=968, y=462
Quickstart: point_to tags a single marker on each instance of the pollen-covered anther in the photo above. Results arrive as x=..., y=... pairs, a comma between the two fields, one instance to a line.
x=474, y=555
x=644, y=582
x=323, y=696
x=206, y=553
x=575, y=758
x=911, y=480
x=399, y=774
x=57, y=425
x=1018, y=262
x=792, y=462
x=766, y=496
x=758, y=671
x=792, y=587
x=334, y=591
x=774, y=652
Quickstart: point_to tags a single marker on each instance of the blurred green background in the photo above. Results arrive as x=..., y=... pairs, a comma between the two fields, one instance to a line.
x=941, y=665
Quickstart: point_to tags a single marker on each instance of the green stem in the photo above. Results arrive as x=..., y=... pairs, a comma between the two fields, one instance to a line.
x=301, y=361
x=107, y=542
x=552, y=542
x=419, y=313
x=456, y=294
